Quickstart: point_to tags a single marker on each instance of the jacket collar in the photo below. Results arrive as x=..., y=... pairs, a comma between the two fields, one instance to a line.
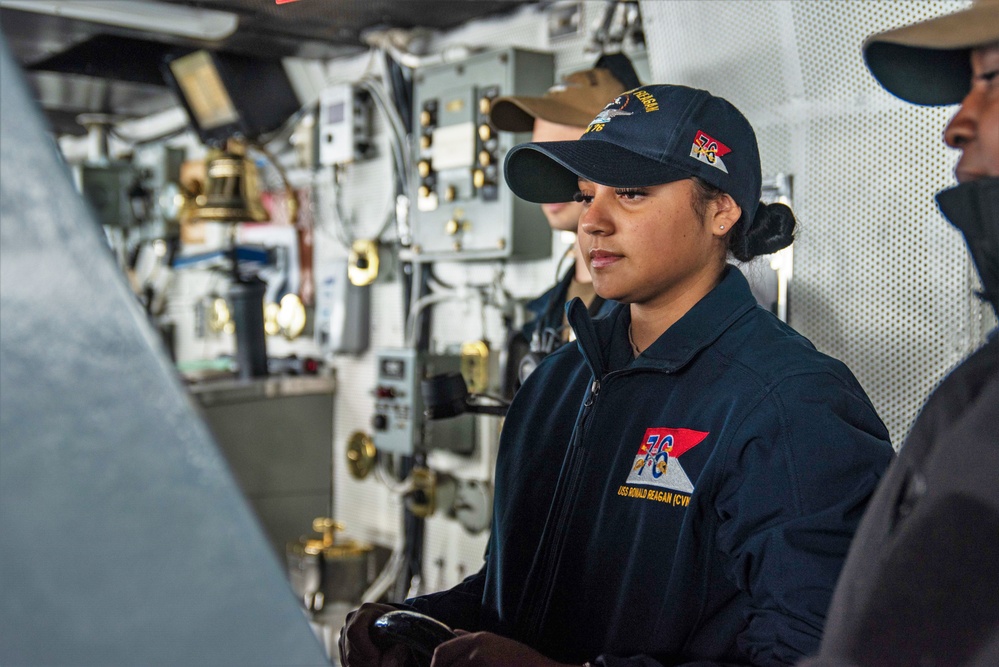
x=974, y=209
x=693, y=332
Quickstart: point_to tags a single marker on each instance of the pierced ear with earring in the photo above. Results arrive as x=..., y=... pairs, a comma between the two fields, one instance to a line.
x=721, y=226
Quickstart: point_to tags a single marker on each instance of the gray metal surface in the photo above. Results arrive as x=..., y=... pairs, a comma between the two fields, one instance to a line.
x=277, y=435
x=123, y=537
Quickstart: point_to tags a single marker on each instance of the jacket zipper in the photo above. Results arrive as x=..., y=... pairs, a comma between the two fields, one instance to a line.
x=566, y=491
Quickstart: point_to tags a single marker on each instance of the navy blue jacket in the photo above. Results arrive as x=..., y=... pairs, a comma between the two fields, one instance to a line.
x=695, y=503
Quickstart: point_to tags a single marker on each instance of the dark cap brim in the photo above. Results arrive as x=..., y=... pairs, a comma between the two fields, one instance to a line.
x=930, y=77
x=928, y=62
x=547, y=172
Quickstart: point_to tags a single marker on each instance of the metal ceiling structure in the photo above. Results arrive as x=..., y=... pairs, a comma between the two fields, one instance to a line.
x=77, y=66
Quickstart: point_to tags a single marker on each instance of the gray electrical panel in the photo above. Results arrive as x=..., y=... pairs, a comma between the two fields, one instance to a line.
x=108, y=188
x=398, y=423
x=344, y=125
x=464, y=211
x=343, y=312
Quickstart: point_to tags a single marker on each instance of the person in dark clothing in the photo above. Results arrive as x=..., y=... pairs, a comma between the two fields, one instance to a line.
x=920, y=583
x=681, y=485
x=562, y=113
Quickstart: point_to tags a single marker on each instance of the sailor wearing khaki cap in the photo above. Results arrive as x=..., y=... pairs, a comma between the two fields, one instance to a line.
x=561, y=114
x=919, y=585
x=574, y=101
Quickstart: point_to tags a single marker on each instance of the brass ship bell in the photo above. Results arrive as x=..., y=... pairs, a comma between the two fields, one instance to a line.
x=232, y=189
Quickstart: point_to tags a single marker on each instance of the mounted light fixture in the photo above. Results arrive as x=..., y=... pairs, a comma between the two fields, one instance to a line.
x=145, y=15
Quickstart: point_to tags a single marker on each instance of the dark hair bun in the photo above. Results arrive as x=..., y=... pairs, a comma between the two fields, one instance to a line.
x=772, y=228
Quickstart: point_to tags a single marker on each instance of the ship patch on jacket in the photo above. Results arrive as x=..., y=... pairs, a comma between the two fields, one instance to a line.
x=657, y=462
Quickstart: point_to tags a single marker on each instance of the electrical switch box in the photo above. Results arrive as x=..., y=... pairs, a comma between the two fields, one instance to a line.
x=343, y=312
x=463, y=209
x=344, y=125
x=110, y=190
x=399, y=425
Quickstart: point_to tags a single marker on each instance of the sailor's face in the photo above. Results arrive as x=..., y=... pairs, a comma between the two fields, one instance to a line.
x=974, y=130
x=648, y=245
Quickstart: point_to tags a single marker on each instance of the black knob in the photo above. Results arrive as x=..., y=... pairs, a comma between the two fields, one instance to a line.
x=420, y=633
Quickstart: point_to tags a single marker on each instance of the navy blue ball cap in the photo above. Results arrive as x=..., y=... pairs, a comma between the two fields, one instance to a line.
x=647, y=136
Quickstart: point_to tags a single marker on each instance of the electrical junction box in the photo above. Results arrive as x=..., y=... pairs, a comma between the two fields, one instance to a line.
x=107, y=188
x=398, y=424
x=343, y=312
x=344, y=125
x=463, y=209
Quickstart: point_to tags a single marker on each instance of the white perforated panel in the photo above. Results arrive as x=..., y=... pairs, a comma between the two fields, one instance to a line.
x=881, y=281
